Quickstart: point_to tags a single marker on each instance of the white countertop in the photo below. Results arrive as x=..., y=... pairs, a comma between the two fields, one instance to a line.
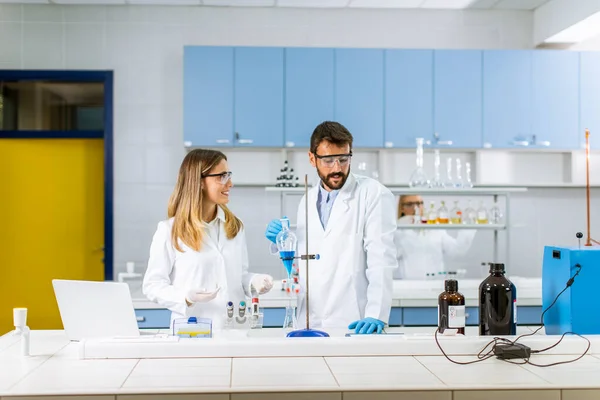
x=55, y=368
x=406, y=293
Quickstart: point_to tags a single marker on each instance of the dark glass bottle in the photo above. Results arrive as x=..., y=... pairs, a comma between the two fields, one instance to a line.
x=451, y=308
x=497, y=304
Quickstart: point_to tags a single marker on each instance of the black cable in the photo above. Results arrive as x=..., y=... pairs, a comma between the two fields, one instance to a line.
x=482, y=355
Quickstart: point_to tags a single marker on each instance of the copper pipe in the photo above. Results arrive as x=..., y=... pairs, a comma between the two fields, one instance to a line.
x=587, y=184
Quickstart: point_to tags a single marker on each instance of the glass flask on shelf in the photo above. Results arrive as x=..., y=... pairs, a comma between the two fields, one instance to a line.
x=449, y=179
x=432, y=214
x=469, y=215
x=496, y=216
x=286, y=244
x=443, y=217
x=419, y=178
x=456, y=214
x=436, y=183
x=458, y=183
x=468, y=183
x=417, y=217
x=482, y=214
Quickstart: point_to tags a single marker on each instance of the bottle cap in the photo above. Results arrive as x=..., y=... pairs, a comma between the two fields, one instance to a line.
x=254, y=300
x=451, y=285
x=497, y=267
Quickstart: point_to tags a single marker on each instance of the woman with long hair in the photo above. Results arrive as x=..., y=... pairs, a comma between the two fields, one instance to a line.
x=198, y=256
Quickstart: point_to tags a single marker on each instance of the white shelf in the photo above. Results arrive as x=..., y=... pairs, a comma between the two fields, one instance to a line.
x=478, y=191
x=285, y=189
x=453, y=226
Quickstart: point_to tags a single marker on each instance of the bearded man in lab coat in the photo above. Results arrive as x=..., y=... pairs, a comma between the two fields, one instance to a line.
x=352, y=223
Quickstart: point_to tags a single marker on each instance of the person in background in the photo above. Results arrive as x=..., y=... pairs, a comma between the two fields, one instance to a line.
x=198, y=256
x=422, y=251
x=351, y=226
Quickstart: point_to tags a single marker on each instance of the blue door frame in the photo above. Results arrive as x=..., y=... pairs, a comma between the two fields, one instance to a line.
x=105, y=77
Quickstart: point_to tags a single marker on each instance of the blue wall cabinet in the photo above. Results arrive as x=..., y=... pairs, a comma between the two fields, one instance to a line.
x=590, y=98
x=506, y=98
x=408, y=97
x=258, y=100
x=309, y=92
x=457, y=97
x=359, y=94
x=555, y=99
x=208, y=96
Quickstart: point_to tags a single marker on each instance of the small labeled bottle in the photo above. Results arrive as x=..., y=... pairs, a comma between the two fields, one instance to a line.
x=497, y=303
x=432, y=214
x=469, y=215
x=456, y=214
x=451, y=308
x=482, y=214
x=443, y=217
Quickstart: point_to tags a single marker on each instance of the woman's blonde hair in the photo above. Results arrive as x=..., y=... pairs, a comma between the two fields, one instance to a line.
x=185, y=203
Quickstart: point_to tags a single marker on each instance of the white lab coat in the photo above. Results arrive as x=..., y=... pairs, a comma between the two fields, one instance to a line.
x=353, y=277
x=171, y=273
x=422, y=251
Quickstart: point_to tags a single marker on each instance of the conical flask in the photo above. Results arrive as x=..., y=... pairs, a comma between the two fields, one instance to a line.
x=286, y=244
x=418, y=178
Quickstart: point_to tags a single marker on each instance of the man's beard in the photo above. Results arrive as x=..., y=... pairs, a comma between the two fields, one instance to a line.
x=327, y=179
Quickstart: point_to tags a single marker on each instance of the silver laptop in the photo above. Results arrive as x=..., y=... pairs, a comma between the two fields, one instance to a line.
x=91, y=309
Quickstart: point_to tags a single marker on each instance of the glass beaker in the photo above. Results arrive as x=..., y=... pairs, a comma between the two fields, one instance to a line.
x=286, y=244
x=419, y=178
x=436, y=183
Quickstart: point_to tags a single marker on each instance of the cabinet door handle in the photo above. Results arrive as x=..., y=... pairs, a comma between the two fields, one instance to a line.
x=140, y=319
x=544, y=143
x=245, y=141
x=290, y=144
x=445, y=143
x=520, y=143
x=187, y=143
x=222, y=141
x=388, y=145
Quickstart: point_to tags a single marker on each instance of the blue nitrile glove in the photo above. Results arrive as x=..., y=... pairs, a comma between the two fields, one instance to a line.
x=273, y=229
x=367, y=326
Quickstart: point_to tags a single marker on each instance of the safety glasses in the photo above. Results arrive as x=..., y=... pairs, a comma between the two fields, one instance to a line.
x=225, y=176
x=329, y=161
x=412, y=204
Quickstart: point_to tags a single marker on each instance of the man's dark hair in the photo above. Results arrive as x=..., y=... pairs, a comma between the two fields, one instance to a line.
x=333, y=132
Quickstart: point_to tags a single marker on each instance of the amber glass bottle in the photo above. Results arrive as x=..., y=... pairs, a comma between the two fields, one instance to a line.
x=497, y=303
x=451, y=308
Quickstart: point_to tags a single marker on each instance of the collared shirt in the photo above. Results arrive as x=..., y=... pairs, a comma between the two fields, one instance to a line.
x=213, y=228
x=325, y=204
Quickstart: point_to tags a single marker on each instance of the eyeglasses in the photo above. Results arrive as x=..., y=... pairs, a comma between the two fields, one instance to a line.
x=412, y=204
x=329, y=161
x=225, y=176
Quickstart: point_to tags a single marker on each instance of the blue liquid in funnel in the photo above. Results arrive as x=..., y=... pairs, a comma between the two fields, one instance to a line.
x=288, y=260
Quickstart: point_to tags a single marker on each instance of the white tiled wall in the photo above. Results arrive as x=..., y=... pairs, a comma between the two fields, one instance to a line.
x=144, y=46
